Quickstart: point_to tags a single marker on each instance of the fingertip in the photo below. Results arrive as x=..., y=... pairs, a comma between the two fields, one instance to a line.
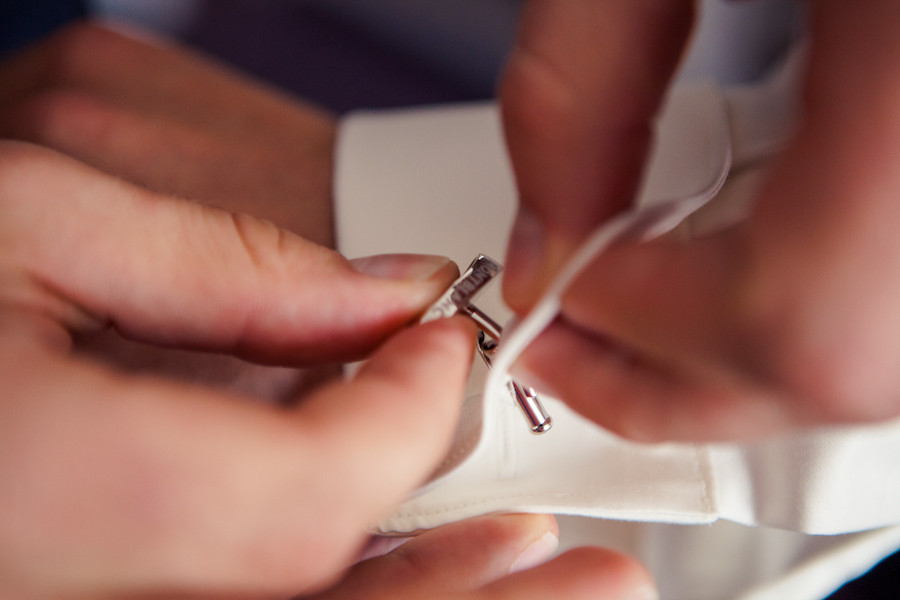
x=418, y=377
x=386, y=429
x=542, y=523
x=535, y=256
x=590, y=572
x=532, y=537
x=342, y=310
x=437, y=282
x=407, y=267
x=538, y=551
x=445, y=341
x=460, y=330
x=404, y=283
x=473, y=551
x=447, y=344
x=525, y=253
x=617, y=575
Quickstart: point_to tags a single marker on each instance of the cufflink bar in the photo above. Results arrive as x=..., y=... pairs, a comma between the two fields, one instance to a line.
x=525, y=397
x=458, y=299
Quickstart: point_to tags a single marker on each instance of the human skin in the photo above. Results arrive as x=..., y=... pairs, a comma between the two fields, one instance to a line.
x=119, y=479
x=154, y=114
x=172, y=121
x=784, y=321
x=113, y=481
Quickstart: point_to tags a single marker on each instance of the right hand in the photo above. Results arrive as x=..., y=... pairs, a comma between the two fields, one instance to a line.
x=784, y=321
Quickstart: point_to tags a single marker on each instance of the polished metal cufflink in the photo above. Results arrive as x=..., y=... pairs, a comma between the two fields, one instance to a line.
x=458, y=300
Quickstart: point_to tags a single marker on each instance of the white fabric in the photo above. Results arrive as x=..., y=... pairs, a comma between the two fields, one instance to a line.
x=437, y=181
x=725, y=560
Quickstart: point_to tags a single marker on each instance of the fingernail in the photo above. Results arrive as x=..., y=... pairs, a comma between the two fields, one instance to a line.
x=536, y=553
x=379, y=546
x=646, y=592
x=410, y=267
x=524, y=272
x=527, y=244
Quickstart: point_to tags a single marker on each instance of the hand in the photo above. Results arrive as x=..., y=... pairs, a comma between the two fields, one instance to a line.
x=169, y=119
x=113, y=484
x=165, y=118
x=786, y=320
x=473, y=559
x=118, y=484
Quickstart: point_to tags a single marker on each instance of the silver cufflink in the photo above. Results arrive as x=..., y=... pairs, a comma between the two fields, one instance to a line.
x=458, y=300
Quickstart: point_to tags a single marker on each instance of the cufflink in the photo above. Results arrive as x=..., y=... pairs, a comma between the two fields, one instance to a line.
x=459, y=300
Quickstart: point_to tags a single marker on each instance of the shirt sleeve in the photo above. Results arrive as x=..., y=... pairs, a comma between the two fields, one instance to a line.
x=429, y=180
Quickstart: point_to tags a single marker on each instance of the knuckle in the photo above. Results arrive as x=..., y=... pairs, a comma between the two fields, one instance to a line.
x=260, y=239
x=274, y=250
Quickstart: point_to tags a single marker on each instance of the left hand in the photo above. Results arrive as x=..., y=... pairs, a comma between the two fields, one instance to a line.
x=178, y=124
x=113, y=483
x=119, y=485
x=164, y=117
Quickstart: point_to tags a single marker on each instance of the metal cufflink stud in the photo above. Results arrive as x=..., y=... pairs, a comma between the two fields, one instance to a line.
x=458, y=300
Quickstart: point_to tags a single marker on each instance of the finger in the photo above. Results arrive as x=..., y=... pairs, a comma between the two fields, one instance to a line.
x=783, y=321
x=174, y=156
x=579, y=94
x=646, y=400
x=178, y=273
x=582, y=573
x=616, y=343
x=823, y=274
x=454, y=558
x=269, y=383
x=164, y=118
x=401, y=387
x=151, y=76
x=219, y=496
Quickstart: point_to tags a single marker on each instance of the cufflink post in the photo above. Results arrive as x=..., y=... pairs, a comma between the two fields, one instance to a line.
x=458, y=299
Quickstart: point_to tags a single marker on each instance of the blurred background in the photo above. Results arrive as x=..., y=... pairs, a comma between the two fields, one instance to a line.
x=350, y=54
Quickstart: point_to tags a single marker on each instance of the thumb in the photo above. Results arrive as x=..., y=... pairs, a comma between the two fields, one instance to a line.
x=99, y=251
